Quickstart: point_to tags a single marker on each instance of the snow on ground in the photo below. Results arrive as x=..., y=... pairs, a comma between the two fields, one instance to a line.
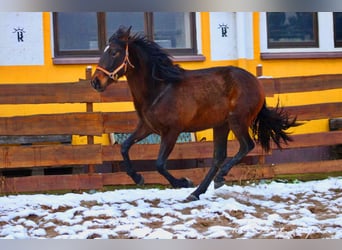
x=270, y=210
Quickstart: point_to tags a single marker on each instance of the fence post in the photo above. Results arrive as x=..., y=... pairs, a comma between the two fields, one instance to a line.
x=259, y=70
x=89, y=109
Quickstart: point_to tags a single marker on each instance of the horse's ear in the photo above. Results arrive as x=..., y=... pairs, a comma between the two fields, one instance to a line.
x=127, y=34
x=129, y=30
x=122, y=34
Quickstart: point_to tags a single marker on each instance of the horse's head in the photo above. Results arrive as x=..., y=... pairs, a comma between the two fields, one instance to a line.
x=113, y=62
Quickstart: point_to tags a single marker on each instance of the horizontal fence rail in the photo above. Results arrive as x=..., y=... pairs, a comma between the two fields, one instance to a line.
x=301, y=84
x=73, y=123
x=75, y=92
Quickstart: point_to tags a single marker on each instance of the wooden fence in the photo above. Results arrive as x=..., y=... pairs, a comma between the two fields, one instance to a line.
x=90, y=124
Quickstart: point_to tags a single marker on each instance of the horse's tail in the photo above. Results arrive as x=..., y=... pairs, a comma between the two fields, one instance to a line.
x=272, y=123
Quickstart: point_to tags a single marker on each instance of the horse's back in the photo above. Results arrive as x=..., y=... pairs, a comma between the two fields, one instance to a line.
x=225, y=79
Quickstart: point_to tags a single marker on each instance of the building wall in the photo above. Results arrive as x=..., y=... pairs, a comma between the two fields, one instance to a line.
x=241, y=47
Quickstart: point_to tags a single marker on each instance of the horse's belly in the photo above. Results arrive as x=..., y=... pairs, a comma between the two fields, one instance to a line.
x=208, y=119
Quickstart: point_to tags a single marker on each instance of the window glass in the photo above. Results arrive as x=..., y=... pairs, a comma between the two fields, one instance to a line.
x=116, y=19
x=77, y=31
x=292, y=29
x=172, y=30
x=338, y=29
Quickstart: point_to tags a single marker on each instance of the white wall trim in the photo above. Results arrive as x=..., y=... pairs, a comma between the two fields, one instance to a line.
x=238, y=44
x=244, y=34
x=199, y=33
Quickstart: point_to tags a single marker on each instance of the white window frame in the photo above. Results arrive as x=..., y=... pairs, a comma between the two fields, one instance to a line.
x=325, y=47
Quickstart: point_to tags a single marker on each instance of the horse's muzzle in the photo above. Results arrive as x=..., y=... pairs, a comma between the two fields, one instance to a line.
x=95, y=83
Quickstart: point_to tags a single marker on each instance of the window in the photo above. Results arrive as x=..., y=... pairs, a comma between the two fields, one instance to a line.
x=76, y=34
x=292, y=29
x=300, y=35
x=85, y=34
x=172, y=31
x=338, y=29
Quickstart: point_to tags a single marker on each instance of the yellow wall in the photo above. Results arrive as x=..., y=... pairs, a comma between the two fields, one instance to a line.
x=50, y=73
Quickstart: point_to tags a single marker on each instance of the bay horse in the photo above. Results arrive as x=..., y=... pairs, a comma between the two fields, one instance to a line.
x=169, y=100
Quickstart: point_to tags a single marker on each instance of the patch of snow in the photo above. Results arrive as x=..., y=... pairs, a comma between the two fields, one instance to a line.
x=273, y=210
x=159, y=234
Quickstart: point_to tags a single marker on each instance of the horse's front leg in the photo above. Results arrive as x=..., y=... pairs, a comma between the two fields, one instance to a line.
x=167, y=144
x=140, y=133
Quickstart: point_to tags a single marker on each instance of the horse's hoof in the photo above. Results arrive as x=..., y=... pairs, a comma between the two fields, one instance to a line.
x=184, y=183
x=218, y=184
x=142, y=181
x=190, y=184
x=192, y=197
x=138, y=179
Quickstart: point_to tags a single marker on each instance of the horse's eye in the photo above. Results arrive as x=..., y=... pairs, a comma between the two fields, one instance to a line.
x=115, y=53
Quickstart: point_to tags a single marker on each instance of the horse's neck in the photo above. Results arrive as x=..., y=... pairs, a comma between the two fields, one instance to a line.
x=141, y=86
x=143, y=94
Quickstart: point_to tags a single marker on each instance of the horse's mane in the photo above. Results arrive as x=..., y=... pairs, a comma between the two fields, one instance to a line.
x=161, y=67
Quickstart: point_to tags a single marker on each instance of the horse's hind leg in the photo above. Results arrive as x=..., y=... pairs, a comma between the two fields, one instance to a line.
x=240, y=130
x=140, y=133
x=167, y=144
x=220, y=154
